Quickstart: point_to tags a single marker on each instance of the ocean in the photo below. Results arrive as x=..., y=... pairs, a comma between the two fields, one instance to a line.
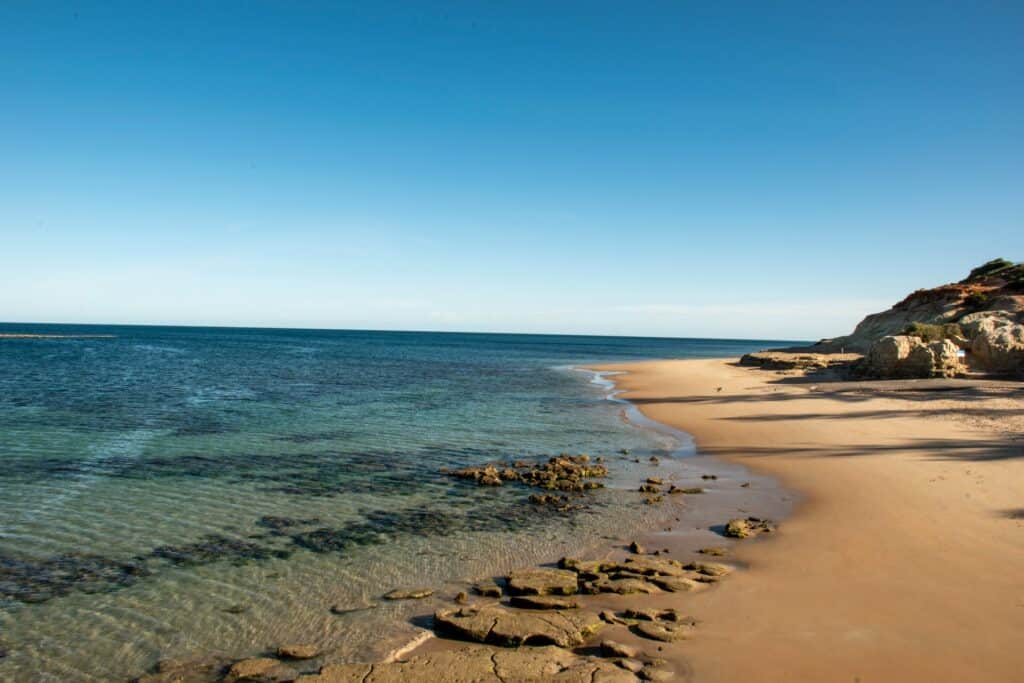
x=170, y=491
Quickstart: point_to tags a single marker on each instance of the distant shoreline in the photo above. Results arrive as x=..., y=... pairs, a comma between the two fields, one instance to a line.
x=57, y=336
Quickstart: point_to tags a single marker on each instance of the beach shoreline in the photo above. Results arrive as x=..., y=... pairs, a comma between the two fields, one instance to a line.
x=904, y=560
x=895, y=553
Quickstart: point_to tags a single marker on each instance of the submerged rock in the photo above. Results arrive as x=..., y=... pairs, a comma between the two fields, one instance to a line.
x=488, y=588
x=501, y=626
x=298, y=651
x=345, y=609
x=408, y=594
x=261, y=670
x=193, y=670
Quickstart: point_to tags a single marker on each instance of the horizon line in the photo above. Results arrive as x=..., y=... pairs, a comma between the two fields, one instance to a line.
x=406, y=331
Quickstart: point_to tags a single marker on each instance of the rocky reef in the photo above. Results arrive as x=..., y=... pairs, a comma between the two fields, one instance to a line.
x=535, y=623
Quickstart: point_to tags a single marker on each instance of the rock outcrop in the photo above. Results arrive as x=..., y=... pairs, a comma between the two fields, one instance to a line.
x=906, y=357
x=972, y=326
x=997, y=341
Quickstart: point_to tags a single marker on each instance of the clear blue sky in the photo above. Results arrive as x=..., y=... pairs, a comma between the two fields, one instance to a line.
x=742, y=169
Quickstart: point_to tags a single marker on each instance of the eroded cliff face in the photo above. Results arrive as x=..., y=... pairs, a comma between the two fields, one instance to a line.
x=995, y=288
x=975, y=325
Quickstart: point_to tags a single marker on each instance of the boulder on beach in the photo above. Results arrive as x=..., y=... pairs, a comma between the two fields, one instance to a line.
x=745, y=528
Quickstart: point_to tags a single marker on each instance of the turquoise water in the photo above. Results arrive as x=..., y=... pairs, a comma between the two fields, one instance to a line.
x=177, y=490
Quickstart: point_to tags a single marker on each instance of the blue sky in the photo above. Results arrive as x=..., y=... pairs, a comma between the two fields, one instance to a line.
x=683, y=169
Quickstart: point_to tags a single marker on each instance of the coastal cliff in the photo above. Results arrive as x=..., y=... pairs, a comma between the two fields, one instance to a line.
x=974, y=326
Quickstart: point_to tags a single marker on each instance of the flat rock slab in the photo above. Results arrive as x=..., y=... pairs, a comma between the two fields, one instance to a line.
x=501, y=626
x=665, y=631
x=477, y=664
x=652, y=566
x=298, y=651
x=653, y=614
x=544, y=602
x=675, y=584
x=542, y=582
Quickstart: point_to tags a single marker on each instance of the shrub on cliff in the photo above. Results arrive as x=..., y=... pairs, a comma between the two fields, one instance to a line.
x=933, y=333
x=993, y=267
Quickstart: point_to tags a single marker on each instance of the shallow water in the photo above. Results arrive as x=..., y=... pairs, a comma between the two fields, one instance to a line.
x=178, y=490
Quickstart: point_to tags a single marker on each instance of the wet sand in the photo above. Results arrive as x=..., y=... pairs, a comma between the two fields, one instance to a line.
x=905, y=559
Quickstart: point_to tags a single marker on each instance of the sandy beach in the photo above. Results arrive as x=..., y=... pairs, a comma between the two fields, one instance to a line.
x=905, y=559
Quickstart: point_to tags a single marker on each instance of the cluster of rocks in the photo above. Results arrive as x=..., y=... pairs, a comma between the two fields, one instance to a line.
x=561, y=473
x=653, y=490
x=534, y=616
x=570, y=474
